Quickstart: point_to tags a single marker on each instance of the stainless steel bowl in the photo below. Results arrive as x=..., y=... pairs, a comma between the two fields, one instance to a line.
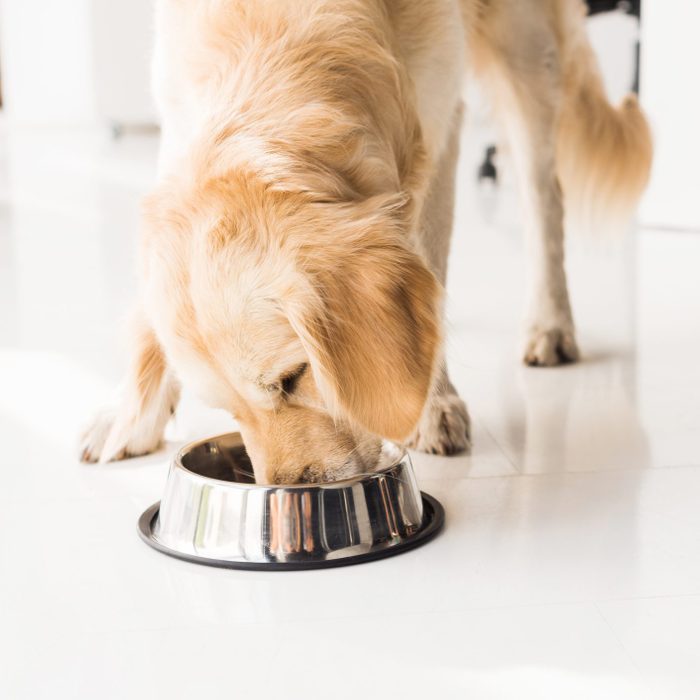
x=213, y=512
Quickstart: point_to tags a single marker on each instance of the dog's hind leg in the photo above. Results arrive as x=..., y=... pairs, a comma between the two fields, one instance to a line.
x=517, y=55
x=444, y=424
x=148, y=399
x=549, y=327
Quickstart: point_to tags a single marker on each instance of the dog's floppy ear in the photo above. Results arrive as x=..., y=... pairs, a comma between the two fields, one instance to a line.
x=370, y=324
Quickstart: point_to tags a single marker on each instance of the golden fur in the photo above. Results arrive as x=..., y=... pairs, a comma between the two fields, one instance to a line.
x=295, y=249
x=604, y=153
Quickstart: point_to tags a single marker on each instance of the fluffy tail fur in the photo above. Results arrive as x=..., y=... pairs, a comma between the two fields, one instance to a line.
x=604, y=153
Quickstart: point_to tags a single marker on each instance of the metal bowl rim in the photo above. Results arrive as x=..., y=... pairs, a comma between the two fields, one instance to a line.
x=402, y=455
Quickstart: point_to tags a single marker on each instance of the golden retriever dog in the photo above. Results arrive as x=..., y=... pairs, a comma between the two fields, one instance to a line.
x=294, y=250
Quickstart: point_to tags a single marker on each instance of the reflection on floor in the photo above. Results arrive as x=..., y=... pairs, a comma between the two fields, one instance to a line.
x=570, y=565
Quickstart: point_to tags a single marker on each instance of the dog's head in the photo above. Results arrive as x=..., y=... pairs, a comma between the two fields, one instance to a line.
x=313, y=323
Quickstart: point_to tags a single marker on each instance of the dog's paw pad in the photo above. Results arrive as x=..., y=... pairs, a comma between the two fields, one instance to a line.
x=444, y=427
x=547, y=348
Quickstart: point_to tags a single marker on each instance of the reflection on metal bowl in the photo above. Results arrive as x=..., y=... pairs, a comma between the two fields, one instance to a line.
x=213, y=512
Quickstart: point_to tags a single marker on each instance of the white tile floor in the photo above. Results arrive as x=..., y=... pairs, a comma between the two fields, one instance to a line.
x=570, y=564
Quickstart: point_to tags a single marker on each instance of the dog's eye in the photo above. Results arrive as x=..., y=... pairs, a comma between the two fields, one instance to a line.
x=289, y=382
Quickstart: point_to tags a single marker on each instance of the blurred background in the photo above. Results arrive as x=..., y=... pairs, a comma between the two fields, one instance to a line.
x=83, y=64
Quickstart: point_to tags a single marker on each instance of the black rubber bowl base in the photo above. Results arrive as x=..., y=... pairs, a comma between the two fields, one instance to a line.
x=433, y=521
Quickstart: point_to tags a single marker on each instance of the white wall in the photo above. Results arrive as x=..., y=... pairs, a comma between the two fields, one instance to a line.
x=123, y=37
x=669, y=91
x=76, y=62
x=45, y=54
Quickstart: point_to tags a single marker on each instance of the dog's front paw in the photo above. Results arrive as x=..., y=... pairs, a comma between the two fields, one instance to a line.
x=550, y=346
x=444, y=426
x=109, y=439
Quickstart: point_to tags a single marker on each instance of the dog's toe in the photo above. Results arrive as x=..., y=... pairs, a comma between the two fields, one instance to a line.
x=547, y=348
x=94, y=437
x=108, y=440
x=444, y=426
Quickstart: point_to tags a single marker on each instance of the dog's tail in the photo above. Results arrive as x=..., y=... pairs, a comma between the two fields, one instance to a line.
x=604, y=153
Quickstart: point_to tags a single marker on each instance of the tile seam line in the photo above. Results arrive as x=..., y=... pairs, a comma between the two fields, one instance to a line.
x=622, y=647
x=501, y=449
